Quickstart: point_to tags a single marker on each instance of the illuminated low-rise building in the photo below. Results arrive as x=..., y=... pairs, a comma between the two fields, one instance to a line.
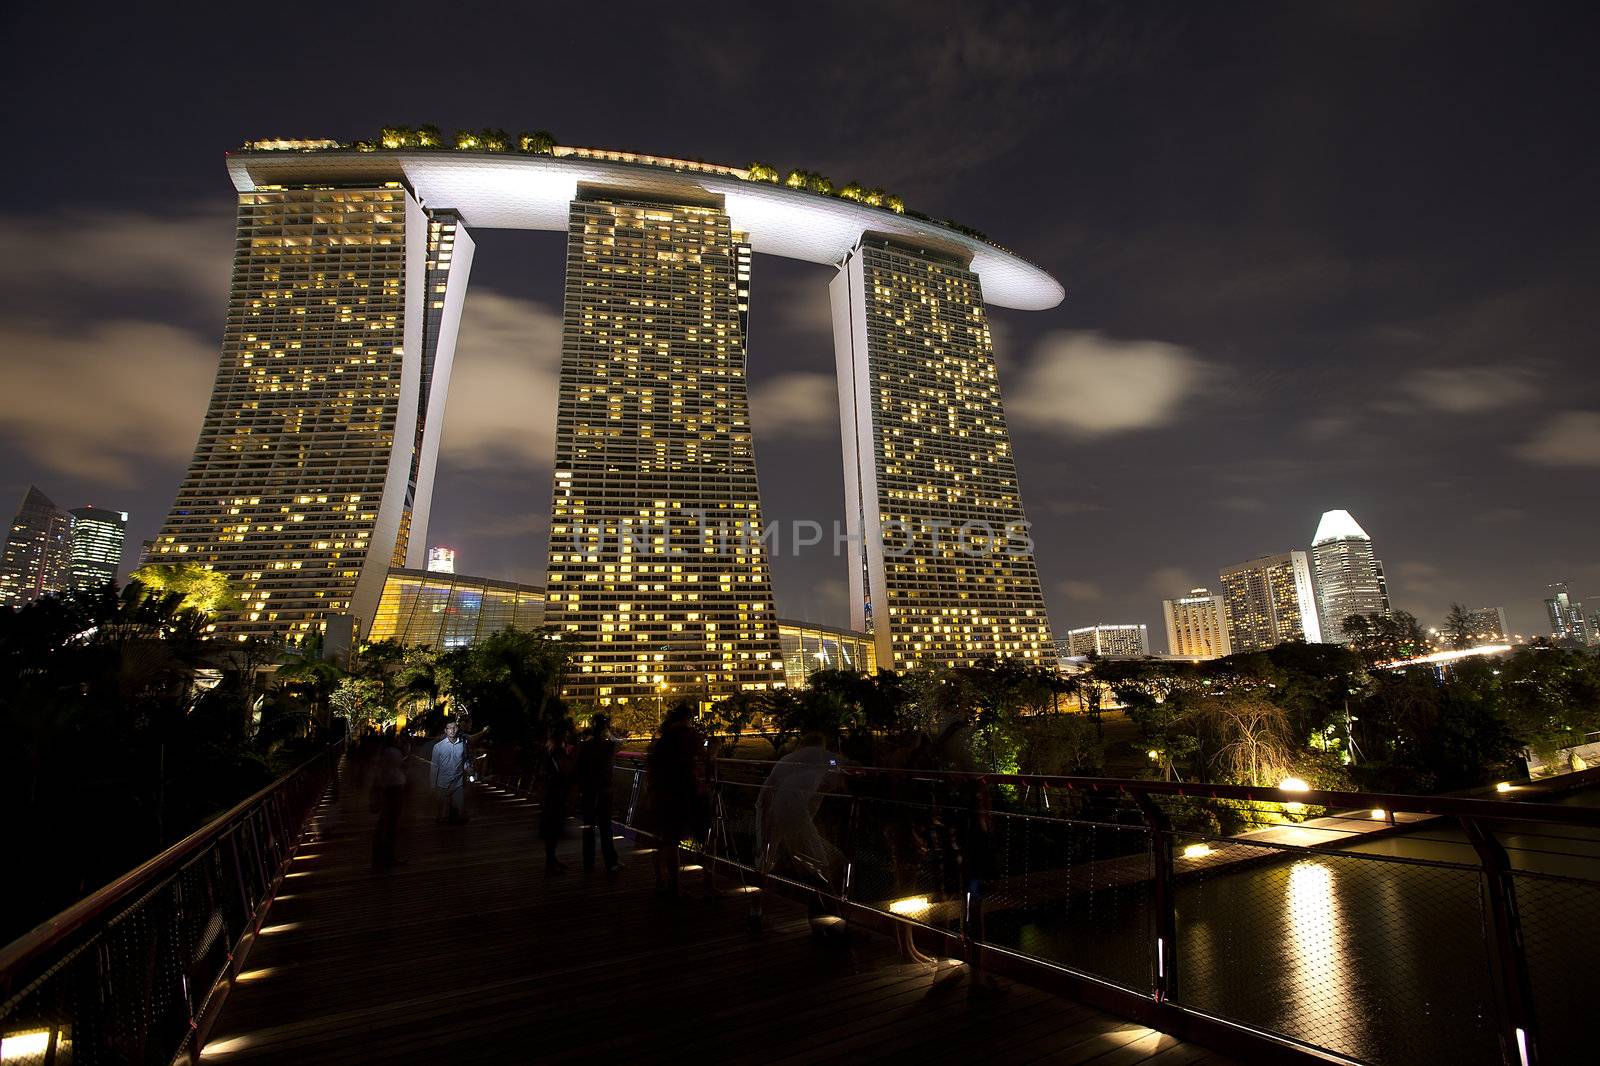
x=1197, y=625
x=1108, y=641
x=808, y=648
x=452, y=610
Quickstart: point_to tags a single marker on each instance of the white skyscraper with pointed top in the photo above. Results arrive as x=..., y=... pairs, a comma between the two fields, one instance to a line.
x=1349, y=577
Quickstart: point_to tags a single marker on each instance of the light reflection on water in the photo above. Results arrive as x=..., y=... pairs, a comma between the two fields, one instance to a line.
x=1316, y=945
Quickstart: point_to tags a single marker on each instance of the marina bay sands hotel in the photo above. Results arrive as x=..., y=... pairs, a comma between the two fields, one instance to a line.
x=315, y=466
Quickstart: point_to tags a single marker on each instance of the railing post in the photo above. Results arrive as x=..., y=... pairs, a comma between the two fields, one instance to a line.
x=1164, y=905
x=1518, y=1032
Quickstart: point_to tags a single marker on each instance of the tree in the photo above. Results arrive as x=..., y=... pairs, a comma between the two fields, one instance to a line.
x=361, y=700
x=397, y=137
x=895, y=204
x=873, y=197
x=467, y=140
x=1459, y=626
x=429, y=137
x=851, y=191
x=539, y=142
x=493, y=140
x=757, y=171
x=1383, y=638
x=734, y=714
x=200, y=588
x=1250, y=738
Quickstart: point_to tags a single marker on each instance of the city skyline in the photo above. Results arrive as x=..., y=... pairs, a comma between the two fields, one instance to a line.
x=1337, y=343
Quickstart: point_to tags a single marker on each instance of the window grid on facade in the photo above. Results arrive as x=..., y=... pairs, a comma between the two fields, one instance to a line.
x=656, y=564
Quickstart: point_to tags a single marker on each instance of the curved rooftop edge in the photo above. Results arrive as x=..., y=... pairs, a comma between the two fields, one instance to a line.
x=504, y=191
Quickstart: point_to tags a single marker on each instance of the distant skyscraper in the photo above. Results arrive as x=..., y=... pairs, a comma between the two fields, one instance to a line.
x=1488, y=624
x=315, y=463
x=36, y=552
x=1567, y=620
x=1270, y=600
x=657, y=568
x=441, y=560
x=1349, y=580
x=941, y=570
x=1109, y=641
x=96, y=546
x=1197, y=625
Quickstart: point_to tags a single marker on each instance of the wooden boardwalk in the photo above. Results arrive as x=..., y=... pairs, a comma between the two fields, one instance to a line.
x=469, y=953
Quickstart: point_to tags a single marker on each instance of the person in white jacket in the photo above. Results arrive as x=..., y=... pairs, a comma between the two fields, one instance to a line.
x=449, y=774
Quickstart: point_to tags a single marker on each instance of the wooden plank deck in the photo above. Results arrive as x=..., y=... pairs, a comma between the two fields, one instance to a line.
x=469, y=953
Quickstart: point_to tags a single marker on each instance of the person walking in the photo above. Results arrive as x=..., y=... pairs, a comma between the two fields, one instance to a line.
x=596, y=756
x=449, y=774
x=674, y=791
x=556, y=768
x=389, y=790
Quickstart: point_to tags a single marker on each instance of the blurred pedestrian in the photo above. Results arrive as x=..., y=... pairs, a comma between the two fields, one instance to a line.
x=674, y=792
x=596, y=756
x=389, y=791
x=556, y=768
x=449, y=774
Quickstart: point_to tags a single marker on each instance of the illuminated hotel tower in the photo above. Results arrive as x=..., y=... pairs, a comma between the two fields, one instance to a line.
x=315, y=462
x=656, y=564
x=942, y=572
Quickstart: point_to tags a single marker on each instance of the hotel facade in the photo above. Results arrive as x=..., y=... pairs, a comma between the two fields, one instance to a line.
x=313, y=473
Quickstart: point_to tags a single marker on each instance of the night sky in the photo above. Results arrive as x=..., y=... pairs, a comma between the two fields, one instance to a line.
x=1316, y=255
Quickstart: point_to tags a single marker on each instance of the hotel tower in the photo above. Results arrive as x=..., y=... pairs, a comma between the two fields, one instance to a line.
x=656, y=562
x=317, y=454
x=941, y=566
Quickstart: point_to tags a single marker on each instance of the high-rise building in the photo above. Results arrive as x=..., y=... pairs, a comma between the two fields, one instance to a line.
x=96, y=546
x=36, y=554
x=1488, y=625
x=1269, y=601
x=1109, y=641
x=657, y=567
x=442, y=560
x=1568, y=623
x=315, y=462
x=1349, y=579
x=941, y=566
x=1197, y=625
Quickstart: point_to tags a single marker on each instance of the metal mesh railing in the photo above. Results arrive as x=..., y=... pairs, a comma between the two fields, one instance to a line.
x=1407, y=942
x=126, y=975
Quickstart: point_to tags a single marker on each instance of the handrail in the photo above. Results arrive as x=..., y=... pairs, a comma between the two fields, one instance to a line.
x=1444, y=806
x=52, y=931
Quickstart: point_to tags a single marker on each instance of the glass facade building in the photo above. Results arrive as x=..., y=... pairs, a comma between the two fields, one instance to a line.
x=1271, y=600
x=941, y=566
x=656, y=565
x=315, y=460
x=808, y=648
x=37, y=549
x=1349, y=577
x=445, y=610
x=96, y=546
x=1568, y=624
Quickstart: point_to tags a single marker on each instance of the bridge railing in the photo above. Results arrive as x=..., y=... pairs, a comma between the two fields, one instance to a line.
x=127, y=975
x=1315, y=936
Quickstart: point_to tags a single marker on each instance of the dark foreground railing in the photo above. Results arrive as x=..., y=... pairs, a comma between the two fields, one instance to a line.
x=1452, y=931
x=128, y=974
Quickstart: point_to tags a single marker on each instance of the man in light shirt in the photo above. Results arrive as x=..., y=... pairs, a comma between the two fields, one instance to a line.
x=449, y=775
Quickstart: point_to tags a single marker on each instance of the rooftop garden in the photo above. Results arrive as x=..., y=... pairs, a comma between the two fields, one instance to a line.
x=542, y=142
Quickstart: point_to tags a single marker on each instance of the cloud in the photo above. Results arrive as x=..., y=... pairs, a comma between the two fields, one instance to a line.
x=1168, y=582
x=1085, y=385
x=503, y=387
x=797, y=406
x=1081, y=591
x=1571, y=438
x=1471, y=389
x=119, y=251
x=100, y=402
